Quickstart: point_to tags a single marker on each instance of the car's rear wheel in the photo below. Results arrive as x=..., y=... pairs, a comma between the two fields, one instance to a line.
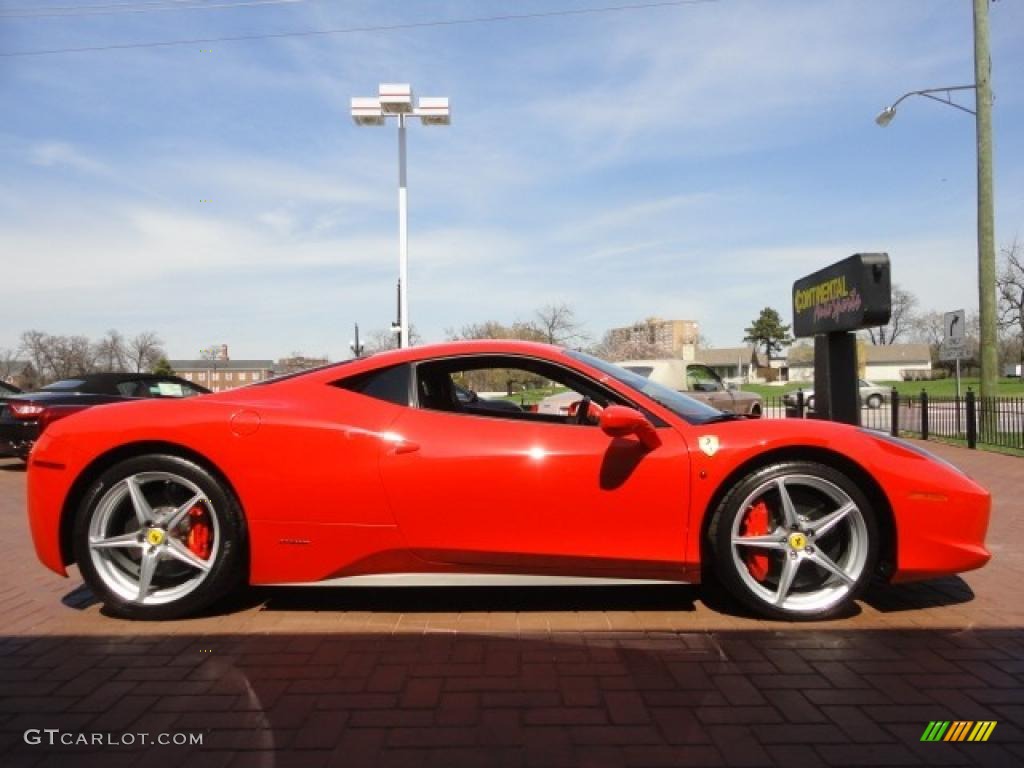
x=795, y=540
x=755, y=411
x=159, y=537
x=875, y=401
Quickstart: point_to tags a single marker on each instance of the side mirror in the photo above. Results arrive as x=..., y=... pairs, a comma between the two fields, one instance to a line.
x=620, y=421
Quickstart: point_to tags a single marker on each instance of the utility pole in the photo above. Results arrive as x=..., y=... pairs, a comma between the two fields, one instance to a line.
x=986, y=214
x=355, y=346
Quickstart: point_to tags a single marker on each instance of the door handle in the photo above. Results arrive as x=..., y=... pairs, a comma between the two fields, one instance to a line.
x=406, y=446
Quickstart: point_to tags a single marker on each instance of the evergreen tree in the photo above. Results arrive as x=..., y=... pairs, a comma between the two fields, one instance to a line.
x=769, y=332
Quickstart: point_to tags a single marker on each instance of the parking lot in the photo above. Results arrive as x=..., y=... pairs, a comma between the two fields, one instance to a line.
x=643, y=676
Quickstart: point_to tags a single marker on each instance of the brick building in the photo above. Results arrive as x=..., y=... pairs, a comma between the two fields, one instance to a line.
x=220, y=374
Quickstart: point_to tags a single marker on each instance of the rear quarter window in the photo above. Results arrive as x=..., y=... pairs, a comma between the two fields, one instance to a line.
x=389, y=384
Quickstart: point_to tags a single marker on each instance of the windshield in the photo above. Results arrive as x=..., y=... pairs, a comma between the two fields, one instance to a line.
x=63, y=385
x=640, y=370
x=682, y=405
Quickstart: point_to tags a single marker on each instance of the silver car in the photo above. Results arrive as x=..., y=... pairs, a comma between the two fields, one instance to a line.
x=871, y=395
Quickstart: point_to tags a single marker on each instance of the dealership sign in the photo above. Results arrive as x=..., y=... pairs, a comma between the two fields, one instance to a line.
x=851, y=294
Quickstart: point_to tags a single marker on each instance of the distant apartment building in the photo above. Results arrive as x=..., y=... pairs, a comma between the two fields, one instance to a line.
x=220, y=372
x=676, y=338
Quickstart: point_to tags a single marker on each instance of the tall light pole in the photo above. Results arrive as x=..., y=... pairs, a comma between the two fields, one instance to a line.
x=395, y=100
x=982, y=112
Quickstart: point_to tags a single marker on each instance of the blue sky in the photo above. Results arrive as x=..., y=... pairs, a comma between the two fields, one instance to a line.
x=688, y=162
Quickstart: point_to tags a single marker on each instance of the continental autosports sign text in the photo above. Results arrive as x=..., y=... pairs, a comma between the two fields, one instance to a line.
x=850, y=294
x=823, y=293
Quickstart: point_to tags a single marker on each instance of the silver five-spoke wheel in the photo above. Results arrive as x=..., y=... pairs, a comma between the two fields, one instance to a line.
x=153, y=537
x=796, y=540
x=159, y=537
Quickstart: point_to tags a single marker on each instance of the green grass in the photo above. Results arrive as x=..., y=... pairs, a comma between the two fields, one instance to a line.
x=531, y=396
x=942, y=387
x=947, y=387
x=773, y=390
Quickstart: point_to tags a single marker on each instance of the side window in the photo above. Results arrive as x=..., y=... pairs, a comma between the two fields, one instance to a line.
x=133, y=388
x=390, y=384
x=506, y=387
x=700, y=378
x=171, y=389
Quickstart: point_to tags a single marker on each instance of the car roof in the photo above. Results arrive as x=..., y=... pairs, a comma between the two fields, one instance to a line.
x=423, y=353
x=106, y=383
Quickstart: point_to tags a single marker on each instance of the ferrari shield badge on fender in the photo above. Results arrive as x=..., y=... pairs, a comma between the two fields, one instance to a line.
x=708, y=444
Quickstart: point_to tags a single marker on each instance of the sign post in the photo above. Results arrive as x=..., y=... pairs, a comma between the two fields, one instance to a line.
x=954, y=347
x=829, y=305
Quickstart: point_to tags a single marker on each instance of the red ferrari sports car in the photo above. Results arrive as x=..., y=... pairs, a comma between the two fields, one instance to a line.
x=375, y=471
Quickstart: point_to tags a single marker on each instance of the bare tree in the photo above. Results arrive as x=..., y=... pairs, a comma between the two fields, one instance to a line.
x=8, y=364
x=615, y=349
x=928, y=328
x=144, y=351
x=381, y=340
x=36, y=348
x=557, y=323
x=298, y=361
x=1010, y=285
x=492, y=329
x=901, y=321
x=111, y=353
x=80, y=355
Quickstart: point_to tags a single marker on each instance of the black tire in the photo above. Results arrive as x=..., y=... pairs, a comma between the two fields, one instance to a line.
x=874, y=401
x=755, y=412
x=742, y=585
x=227, y=565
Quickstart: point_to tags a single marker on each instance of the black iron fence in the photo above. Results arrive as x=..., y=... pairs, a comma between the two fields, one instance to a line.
x=989, y=421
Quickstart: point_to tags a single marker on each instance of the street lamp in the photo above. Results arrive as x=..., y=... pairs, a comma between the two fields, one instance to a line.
x=886, y=115
x=982, y=112
x=396, y=100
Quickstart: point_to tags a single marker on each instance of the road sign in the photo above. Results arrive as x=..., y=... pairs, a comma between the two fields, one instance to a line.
x=950, y=352
x=953, y=327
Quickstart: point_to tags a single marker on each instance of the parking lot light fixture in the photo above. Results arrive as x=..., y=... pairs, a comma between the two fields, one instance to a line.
x=396, y=100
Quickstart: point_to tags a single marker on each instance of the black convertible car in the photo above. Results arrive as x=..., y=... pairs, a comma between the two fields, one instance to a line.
x=23, y=417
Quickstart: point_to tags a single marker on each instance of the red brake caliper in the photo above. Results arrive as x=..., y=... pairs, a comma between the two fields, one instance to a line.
x=756, y=524
x=200, y=533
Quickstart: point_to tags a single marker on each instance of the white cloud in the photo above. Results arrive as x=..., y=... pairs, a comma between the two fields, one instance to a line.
x=51, y=154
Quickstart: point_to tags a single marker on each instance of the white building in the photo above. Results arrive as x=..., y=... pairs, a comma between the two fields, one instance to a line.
x=885, y=362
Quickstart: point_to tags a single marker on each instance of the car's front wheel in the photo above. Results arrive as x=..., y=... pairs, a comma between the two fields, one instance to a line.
x=875, y=401
x=159, y=537
x=795, y=540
